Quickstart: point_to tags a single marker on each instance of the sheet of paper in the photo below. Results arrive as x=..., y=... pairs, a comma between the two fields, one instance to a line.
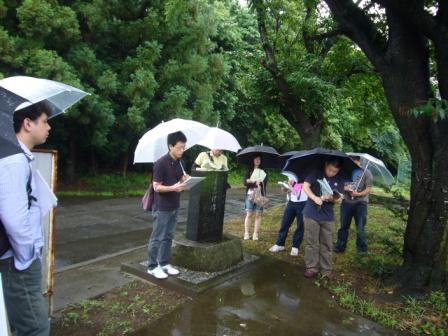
x=286, y=186
x=45, y=197
x=192, y=181
x=258, y=175
x=325, y=187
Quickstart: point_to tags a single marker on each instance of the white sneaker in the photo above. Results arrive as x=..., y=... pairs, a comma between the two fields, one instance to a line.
x=294, y=251
x=255, y=237
x=246, y=236
x=276, y=248
x=158, y=273
x=170, y=270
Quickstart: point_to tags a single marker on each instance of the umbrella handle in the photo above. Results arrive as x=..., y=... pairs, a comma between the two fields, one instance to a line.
x=183, y=170
x=362, y=175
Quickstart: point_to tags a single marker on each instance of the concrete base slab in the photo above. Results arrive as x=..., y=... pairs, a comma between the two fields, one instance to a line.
x=190, y=282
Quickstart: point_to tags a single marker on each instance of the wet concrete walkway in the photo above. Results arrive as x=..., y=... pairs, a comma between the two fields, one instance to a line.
x=272, y=298
x=94, y=236
x=88, y=228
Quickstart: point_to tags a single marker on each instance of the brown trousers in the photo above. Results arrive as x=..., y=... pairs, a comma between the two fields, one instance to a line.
x=319, y=245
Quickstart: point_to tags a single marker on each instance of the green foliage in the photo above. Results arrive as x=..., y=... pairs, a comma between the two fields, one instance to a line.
x=144, y=62
x=436, y=109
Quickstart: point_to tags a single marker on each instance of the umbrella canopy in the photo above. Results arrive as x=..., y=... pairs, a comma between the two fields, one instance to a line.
x=269, y=156
x=377, y=167
x=301, y=164
x=217, y=138
x=290, y=175
x=285, y=156
x=19, y=92
x=59, y=96
x=153, y=144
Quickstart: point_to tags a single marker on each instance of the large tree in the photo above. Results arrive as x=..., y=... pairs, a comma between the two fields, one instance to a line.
x=406, y=41
x=318, y=80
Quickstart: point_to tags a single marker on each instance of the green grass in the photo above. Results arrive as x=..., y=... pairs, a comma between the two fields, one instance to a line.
x=135, y=184
x=108, y=185
x=362, y=283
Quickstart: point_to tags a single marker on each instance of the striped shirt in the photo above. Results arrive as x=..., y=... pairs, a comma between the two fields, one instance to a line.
x=23, y=225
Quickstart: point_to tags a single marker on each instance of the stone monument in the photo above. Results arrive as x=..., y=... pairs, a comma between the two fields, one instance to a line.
x=204, y=247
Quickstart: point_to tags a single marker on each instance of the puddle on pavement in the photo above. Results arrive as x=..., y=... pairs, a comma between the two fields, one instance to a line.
x=271, y=299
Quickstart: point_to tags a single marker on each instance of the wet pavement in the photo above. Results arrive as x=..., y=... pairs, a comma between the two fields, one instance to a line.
x=272, y=298
x=88, y=228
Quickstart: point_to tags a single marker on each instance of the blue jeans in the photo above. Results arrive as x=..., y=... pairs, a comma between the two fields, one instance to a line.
x=26, y=306
x=349, y=211
x=159, y=246
x=292, y=210
x=251, y=206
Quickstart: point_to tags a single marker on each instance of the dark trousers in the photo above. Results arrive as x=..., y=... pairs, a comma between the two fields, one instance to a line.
x=26, y=307
x=292, y=210
x=349, y=211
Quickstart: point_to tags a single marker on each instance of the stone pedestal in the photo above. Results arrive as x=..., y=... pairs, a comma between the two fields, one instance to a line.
x=207, y=257
x=206, y=207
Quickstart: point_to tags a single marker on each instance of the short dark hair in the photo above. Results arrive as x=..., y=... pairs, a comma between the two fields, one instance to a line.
x=174, y=138
x=335, y=162
x=355, y=157
x=32, y=112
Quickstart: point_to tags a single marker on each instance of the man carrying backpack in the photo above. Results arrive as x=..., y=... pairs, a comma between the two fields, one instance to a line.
x=21, y=220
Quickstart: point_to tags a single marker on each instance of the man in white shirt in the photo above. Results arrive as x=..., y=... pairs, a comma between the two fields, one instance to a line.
x=20, y=216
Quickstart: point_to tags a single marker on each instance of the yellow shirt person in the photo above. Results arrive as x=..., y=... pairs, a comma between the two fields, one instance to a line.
x=212, y=160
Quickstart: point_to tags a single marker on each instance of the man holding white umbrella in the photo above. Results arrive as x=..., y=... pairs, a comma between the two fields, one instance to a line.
x=26, y=103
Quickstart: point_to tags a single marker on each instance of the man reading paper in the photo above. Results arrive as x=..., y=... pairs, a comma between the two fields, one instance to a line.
x=168, y=182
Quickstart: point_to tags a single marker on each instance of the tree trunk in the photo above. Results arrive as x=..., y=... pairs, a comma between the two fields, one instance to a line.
x=402, y=60
x=406, y=86
x=124, y=169
x=71, y=161
x=93, y=162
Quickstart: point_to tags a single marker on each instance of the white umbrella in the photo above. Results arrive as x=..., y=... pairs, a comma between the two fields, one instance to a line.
x=217, y=138
x=58, y=95
x=376, y=166
x=153, y=144
x=290, y=175
x=19, y=92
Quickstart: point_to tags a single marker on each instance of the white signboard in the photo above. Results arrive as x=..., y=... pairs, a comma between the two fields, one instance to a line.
x=45, y=173
x=4, y=325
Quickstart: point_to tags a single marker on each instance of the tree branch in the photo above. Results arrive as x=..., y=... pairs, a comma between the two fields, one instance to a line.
x=332, y=33
x=413, y=11
x=358, y=26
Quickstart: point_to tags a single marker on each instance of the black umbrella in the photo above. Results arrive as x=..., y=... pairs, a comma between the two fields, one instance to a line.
x=269, y=156
x=8, y=140
x=285, y=156
x=302, y=163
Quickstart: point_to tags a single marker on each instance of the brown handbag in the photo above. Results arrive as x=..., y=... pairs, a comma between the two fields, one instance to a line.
x=259, y=199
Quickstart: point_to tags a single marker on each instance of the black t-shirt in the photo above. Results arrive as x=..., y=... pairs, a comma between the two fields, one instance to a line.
x=323, y=213
x=168, y=172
